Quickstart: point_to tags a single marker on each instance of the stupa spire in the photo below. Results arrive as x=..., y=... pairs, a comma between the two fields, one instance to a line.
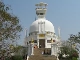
x=41, y=10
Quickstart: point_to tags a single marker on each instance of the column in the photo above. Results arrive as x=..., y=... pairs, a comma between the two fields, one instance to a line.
x=32, y=46
x=45, y=43
x=38, y=40
x=29, y=50
x=46, y=38
x=57, y=52
x=57, y=58
x=52, y=49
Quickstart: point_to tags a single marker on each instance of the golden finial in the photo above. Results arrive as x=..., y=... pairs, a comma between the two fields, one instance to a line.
x=32, y=41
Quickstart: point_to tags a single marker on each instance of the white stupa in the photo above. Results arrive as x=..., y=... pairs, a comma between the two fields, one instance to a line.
x=42, y=32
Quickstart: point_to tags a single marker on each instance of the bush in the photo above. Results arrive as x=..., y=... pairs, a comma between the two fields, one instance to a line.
x=17, y=57
x=74, y=58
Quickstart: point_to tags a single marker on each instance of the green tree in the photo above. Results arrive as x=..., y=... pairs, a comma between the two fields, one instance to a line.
x=68, y=50
x=9, y=24
x=19, y=50
x=9, y=27
x=75, y=38
x=71, y=46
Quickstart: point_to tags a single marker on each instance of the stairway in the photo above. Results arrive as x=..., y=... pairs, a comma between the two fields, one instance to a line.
x=43, y=57
x=38, y=54
x=38, y=51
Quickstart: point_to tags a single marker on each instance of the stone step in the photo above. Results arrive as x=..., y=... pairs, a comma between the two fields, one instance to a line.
x=39, y=56
x=43, y=57
x=38, y=51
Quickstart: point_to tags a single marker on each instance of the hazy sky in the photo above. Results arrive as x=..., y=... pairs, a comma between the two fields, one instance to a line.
x=62, y=13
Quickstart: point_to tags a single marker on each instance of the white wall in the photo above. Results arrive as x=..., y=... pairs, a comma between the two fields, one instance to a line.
x=47, y=37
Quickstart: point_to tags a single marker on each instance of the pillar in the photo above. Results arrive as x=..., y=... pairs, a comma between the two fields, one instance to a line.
x=29, y=49
x=32, y=51
x=57, y=58
x=38, y=40
x=57, y=52
x=27, y=57
x=52, y=49
x=38, y=43
x=45, y=43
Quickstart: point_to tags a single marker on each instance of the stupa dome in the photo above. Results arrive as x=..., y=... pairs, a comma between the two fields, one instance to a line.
x=48, y=26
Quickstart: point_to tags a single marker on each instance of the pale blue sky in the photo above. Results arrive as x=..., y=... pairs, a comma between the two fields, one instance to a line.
x=63, y=13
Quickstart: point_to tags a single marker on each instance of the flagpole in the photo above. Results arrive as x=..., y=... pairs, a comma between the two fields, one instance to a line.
x=25, y=32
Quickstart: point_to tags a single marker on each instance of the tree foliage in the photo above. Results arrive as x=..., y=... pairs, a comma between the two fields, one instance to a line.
x=71, y=46
x=9, y=29
x=68, y=50
x=9, y=24
x=75, y=38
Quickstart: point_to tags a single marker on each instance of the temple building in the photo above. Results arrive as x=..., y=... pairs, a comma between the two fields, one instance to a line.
x=42, y=34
